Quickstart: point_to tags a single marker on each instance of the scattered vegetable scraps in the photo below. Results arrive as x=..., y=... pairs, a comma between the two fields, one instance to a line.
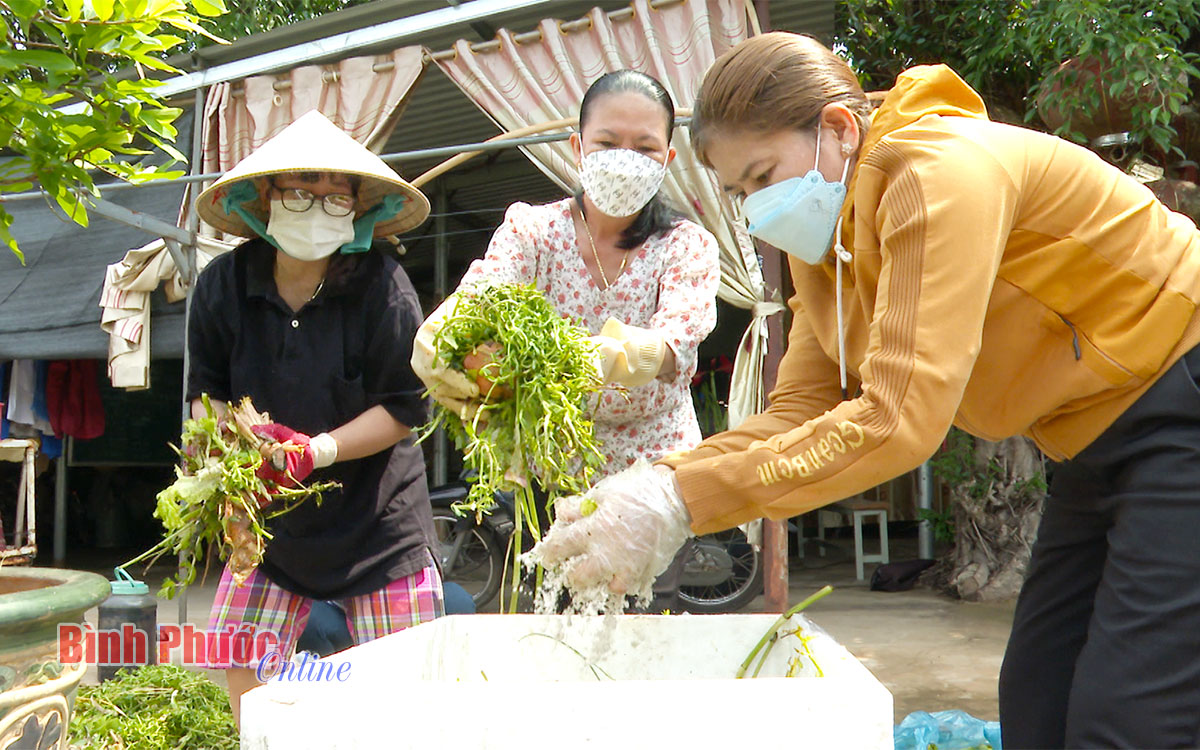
x=153, y=708
x=218, y=500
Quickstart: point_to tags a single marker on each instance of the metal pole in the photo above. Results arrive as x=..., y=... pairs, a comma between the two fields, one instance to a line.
x=190, y=278
x=440, y=250
x=775, y=535
x=399, y=156
x=60, y=503
x=925, y=501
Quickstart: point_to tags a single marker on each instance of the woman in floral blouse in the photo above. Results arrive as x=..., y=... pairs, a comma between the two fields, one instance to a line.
x=616, y=258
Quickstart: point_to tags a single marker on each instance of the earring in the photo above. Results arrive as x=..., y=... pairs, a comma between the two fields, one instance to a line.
x=846, y=149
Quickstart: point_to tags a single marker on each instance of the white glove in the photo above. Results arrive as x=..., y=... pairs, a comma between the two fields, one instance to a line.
x=629, y=539
x=324, y=450
x=629, y=355
x=449, y=387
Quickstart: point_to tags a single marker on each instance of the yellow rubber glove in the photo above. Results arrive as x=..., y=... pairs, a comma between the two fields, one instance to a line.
x=449, y=387
x=629, y=355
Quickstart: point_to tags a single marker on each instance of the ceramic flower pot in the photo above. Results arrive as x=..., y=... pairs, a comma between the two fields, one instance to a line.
x=36, y=690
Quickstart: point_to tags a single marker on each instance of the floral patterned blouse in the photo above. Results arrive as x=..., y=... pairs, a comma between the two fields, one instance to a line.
x=669, y=284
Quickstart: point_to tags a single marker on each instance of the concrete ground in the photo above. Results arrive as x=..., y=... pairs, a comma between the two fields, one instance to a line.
x=932, y=652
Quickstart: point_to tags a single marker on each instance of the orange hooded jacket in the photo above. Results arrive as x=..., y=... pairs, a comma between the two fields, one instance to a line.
x=1003, y=280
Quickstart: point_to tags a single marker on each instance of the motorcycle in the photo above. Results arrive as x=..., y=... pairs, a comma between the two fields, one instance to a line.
x=723, y=572
x=473, y=552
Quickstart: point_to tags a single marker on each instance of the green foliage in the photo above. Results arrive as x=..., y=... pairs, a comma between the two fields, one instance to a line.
x=954, y=464
x=972, y=481
x=246, y=17
x=1010, y=51
x=1032, y=486
x=1136, y=45
x=711, y=412
x=64, y=52
x=159, y=707
x=541, y=432
x=981, y=40
x=941, y=523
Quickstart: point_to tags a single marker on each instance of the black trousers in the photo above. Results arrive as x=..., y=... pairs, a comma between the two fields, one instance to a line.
x=1105, y=647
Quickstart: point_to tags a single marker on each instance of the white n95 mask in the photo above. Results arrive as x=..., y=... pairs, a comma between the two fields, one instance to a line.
x=798, y=215
x=311, y=234
x=619, y=181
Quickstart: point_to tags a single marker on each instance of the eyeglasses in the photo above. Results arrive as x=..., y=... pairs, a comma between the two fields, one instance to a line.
x=298, y=200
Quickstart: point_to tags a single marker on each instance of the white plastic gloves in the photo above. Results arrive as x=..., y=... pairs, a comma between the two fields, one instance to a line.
x=638, y=524
x=324, y=449
x=629, y=355
x=449, y=387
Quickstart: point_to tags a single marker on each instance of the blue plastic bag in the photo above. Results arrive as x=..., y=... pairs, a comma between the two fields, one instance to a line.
x=946, y=730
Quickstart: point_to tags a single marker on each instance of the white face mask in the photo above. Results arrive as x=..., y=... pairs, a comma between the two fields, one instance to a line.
x=798, y=215
x=311, y=234
x=620, y=182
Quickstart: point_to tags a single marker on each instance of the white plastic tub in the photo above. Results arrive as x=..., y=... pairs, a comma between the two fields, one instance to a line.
x=530, y=682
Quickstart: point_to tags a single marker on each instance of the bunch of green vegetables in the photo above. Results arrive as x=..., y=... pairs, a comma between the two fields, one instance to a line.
x=536, y=371
x=153, y=708
x=218, y=500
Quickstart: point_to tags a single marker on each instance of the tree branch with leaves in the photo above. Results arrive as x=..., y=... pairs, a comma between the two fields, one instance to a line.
x=75, y=98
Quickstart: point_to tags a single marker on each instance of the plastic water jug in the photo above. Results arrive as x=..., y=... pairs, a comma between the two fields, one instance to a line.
x=127, y=626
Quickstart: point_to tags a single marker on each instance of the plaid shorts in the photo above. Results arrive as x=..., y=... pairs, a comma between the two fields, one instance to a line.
x=259, y=617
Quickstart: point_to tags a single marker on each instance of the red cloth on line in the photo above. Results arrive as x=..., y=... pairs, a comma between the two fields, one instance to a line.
x=73, y=399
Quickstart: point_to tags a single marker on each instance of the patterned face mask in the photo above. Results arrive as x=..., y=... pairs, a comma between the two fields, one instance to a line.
x=620, y=182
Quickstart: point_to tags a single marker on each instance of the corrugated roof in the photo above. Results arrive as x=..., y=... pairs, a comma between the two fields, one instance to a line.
x=813, y=17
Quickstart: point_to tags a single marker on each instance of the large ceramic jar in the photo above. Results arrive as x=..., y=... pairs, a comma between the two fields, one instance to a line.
x=36, y=690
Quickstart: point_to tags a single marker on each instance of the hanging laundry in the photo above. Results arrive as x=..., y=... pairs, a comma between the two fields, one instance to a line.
x=73, y=399
x=125, y=298
x=26, y=405
x=40, y=413
x=23, y=394
x=51, y=446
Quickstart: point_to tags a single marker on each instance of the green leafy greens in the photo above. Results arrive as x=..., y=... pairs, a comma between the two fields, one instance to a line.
x=217, y=499
x=541, y=432
x=153, y=708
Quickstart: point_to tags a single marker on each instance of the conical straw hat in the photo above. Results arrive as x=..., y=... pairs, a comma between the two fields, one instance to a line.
x=314, y=144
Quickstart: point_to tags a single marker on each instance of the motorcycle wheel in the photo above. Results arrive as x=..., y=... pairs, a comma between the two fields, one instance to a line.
x=479, y=564
x=723, y=573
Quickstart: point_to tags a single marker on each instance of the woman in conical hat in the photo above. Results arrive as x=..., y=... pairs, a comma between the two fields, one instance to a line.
x=316, y=328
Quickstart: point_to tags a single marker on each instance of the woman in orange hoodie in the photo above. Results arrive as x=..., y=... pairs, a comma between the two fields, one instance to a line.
x=950, y=270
